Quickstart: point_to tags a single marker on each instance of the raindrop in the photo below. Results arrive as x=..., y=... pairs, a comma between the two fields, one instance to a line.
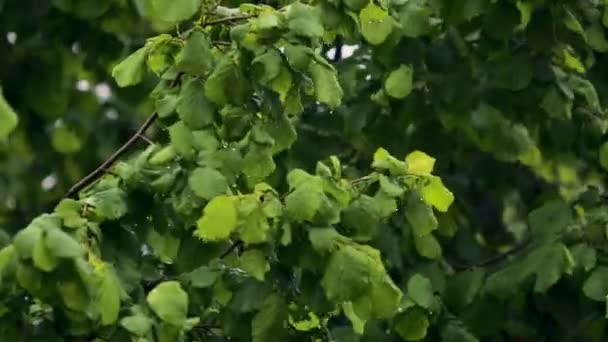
x=11, y=37
x=49, y=182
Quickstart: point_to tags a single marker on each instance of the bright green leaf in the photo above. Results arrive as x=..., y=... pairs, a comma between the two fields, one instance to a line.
x=398, y=84
x=436, y=194
x=219, y=220
x=62, y=245
x=132, y=69
x=108, y=300
x=376, y=24
x=169, y=302
x=419, y=163
x=327, y=88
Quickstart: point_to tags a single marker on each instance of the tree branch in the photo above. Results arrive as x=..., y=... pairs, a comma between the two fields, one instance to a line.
x=227, y=19
x=105, y=166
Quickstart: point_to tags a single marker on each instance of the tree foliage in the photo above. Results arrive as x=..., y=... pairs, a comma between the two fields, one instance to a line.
x=318, y=171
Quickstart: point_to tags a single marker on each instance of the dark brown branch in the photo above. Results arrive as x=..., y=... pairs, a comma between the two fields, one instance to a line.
x=338, y=53
x=105, y=166
x=227, y=19
x=492, y=261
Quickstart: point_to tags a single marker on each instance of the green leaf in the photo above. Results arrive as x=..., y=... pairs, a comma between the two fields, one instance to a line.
x=398, y=84
x=254, y=262
x=8, y=118
x=42, y=257
x=427, y=246
x=415, y=20
x=207, y=182
x=584, y=256
x=227, y=84
x=175, y=10
x=203, y=277
x=436, y=194
x=258, y=163
x=268, y=324
x=596, y=285
x=463, y=287
x=74, y=295
x=165, y=106
x=165, y=246
x=512, y=72
x=282, y=132
x=550, y=220
x=347, y=275
x=556, y=105
x=254, y=224
x=309, y=324
x=304, y=20
x=420, y=215
x=376, y=23
x=385, y=161
x=412, y=325
x=108, y=300
x=327, y=88
x=419, y=163
x=26, y=240
x=62, y=245
x=169, y=302
x=420, y=290
x=362, y=217
x=70, y=211
x=324, y=239
x=192, y=105
x=357, y=315
x=132, y=69
x=298, y=56
x=267, y=65
x=219, y=220
x=306, y=197
x=182, y=139
x=109, y=204
x=138, y=324
x=196, y=58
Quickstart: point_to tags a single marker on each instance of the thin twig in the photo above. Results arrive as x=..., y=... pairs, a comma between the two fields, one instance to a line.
x=492, y=261
x=145, y=138
x=102, y=169
x=227, y=19
x=230, y=249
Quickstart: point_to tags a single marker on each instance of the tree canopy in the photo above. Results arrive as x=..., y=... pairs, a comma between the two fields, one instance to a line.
x=324, y=170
